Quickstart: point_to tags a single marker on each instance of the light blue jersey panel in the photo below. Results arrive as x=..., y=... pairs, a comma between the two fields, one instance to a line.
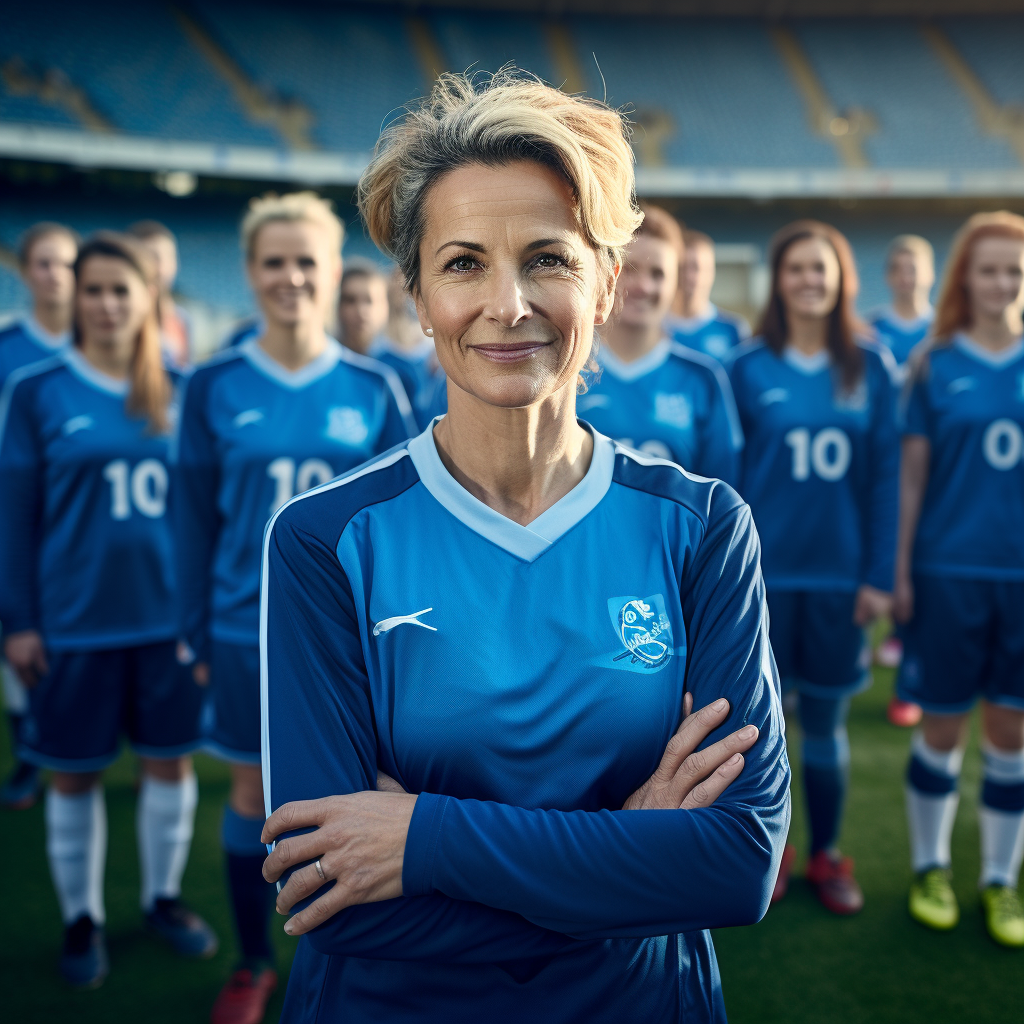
x=969, y=403
x=715, y=334
x=672, y=402
x=820, y=467
x=252, y=436
x=417, y=369
x=25, y=342
x=85, y=539
x=899, y=335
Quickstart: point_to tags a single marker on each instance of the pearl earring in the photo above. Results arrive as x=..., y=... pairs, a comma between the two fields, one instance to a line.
x=430, y=332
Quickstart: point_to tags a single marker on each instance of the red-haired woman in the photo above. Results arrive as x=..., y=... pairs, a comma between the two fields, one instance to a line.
x=960, y=571
x=820, y=472
x=86, y=598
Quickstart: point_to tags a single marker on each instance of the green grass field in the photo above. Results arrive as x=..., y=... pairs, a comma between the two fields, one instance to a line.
x=799, y=965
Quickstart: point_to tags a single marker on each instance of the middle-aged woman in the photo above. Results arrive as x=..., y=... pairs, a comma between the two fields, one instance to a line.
x=820, y=472
x=87, y=598
x=508, y=617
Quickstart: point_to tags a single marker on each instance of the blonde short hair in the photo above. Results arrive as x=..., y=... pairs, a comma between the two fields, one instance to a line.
x=913, y=244
x=293, y=206
x=498, y=120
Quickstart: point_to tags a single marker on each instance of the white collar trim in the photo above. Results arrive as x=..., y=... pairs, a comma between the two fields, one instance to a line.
x=985, y=355
x=691, y=324
x=97, y=378
x=293, y=379
x=637, y=368
x=38, y=333
x=913, y=324
x=808, y=365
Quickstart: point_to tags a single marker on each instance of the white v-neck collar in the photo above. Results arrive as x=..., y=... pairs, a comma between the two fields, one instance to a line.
x=293, y=379
x=997, y=360
x=636, y=368
x=525, y=542
x=914, y=324
x=690, y=324
x=81, y=367
x=41, y=336
x=809, y=365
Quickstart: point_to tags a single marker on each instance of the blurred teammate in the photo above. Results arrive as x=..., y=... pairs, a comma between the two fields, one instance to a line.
x=697, y=322
x=362, y=305
x=175, y=325
x=46, y=256
x=262, y=422
x=86, y=595
x=653, y=394
x=820, y=473
x=910, y=275
x=960, y=571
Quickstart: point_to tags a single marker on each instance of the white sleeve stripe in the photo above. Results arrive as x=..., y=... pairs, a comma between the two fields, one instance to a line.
x=16, y=377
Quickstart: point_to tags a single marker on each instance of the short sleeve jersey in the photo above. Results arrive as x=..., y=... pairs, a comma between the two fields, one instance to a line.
x=715, y=334
x=24, y=342
x=417, y=369
x=899, y=335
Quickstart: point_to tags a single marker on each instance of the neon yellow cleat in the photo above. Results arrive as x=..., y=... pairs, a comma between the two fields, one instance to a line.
x=932, y=900
x=1004, y=914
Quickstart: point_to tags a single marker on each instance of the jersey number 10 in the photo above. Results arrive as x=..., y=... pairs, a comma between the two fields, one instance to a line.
x=828, y=453
x=145, y=487
x=290, y=481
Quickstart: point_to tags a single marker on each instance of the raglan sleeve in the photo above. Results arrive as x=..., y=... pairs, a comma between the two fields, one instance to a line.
x=399, y=420
x=613, y=873
x=319, y=740
x=914, y=411
x=722, y=440
x=882, y=483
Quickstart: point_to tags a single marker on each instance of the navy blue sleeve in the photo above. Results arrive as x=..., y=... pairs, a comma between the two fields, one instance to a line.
x=609, y=874
x=883, y=480
x=197, y=521
x=722, y=439
x=320, y=740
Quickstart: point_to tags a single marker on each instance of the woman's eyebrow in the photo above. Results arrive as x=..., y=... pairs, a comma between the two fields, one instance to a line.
x=461, y=245
x=542, y=243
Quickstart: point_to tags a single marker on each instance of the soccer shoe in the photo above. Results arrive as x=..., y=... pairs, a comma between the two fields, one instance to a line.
x=889, y=653
x=83, y=961
x=833, y=881
x=1004, y=915
x=932, y=900
x=902, y=713
x=785, y=870
x=182, y=929
x=22, y=788
x=243, y=1000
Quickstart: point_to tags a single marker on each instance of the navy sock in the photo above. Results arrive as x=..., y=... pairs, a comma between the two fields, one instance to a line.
x=252, y=896
x=826, y=759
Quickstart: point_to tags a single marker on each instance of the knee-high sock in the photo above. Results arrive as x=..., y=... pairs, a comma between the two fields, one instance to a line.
x=252, y=896
x=826, y=760
x=164, y=820
x=1002, y=816
x=932, y=800
x=76, y=845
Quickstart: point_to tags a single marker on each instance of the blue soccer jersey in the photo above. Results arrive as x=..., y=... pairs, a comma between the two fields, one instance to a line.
x=672, y=402
x=85, y=540
x=417, y=369
x=495, y=670
x=820, y=467
x=716, y=333
x=253, y=435
x=969, y=403
x=897, y=334
x=25, y=341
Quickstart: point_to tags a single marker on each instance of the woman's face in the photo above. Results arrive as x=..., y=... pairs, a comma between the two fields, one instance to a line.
x=111, y=304
x=508, y=283
x=647, y=284
x=294, y=273
x=809, y=279
x=362, y=309
x=49, y=271
x=995, y=277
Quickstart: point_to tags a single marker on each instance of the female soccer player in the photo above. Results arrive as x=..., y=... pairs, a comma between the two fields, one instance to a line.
x=175, y=324
x=362, y=305
x=960, y=571
x=86, y=596
x=261, y=422
x=820, y=472
x=653, y=394
x=910, y=275
x=508, y=616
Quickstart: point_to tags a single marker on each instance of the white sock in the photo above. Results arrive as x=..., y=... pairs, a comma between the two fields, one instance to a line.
x=1002, y=831
x=164, y=820
x=931, y=816
x=76, y=845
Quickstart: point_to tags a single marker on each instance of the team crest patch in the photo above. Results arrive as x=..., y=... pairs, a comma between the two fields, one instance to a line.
x=674, y=410
x=643, y=627
x=347, y=425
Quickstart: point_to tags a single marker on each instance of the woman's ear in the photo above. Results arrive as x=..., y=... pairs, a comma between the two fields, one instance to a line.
x=421, y=313
x=606, y=301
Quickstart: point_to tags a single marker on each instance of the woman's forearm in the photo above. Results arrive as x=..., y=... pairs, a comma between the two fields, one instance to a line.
x=914, y=466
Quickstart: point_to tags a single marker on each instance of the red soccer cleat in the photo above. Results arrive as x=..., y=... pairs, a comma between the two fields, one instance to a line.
x=785, y=870
x=243, y=1000
x=832, y=879
x=902, y=713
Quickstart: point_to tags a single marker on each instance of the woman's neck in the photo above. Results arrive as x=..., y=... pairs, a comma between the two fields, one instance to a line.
x=293, y=345
x=55, y=320
x=997, y=333
x=519, y=462
x=694, y=307
x=808, y=335
x=910, y=307
x=628, y=342
x=356, y=342
x=112, y=359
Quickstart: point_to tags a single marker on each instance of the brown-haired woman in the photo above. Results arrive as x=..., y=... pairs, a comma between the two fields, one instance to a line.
x=86, y=598
x=960, y=571
x=820, y=474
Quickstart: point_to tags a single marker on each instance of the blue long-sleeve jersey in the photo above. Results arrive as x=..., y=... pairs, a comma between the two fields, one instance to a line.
x=715, y=334
x=524, y=681
x=23, y=342
x=417, y=369
x=969, y=403
x=820, y=467
x=674, y=403
x=252, y=435
x=85, y=542
x=899, y=335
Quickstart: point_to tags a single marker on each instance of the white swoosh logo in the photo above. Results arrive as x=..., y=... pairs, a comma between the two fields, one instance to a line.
x=961, y=384
x=401, y=620
x=243, y=419
x=75, y=424
x=773, y=395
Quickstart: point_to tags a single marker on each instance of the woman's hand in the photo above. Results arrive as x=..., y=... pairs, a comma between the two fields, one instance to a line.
x=903, y=598
x=688, y=778
x=26, y=655
x=359, y=841
x=871, y=604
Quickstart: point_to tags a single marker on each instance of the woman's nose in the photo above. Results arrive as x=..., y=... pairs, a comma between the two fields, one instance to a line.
x=507, y=304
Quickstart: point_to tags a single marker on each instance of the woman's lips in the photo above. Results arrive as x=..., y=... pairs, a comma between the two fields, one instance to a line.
x=510, y=353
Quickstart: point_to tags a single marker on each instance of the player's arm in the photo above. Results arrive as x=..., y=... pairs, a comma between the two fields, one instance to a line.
x=722, y=440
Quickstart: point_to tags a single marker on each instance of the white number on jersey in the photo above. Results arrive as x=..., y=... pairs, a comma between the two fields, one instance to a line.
x=1003, y=444
x=145, y=487
x=289, y=482
x=828, y=453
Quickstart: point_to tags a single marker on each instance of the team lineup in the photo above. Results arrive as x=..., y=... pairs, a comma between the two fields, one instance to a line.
x=490, y=576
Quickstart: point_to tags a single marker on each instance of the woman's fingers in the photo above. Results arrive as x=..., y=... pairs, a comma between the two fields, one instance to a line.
x=702, y=763
x=302, y=883
x=705, y=793
x=320, y=910
x=689, y=735
x=291, y=851
x=297, y=814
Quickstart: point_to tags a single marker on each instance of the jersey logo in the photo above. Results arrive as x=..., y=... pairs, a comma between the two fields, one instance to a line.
x=77, y=423
x=716, y=345
x=243, y=419
x=674, y=410
x=643, y=627
x=773, y=395
x=593, y=402
x=954, y=387
x=403, y=620
x=347, y=425
x=853, y=401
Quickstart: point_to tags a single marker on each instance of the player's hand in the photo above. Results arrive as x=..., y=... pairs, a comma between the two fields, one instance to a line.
x=903, y=598
x=201, y=673
x=26, y=655
x=688, y=778
x=360, y=842
x=871, y=604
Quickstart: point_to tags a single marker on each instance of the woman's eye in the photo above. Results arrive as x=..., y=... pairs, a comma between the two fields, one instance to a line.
x=462, y=263
x=547, y=260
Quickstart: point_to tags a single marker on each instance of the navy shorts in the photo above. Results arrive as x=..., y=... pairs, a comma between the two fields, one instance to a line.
x=818, y=648
x=965, y=641
x=231, y=717
x=78, y=713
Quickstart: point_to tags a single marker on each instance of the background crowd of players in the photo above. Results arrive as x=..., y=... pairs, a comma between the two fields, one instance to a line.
x=883, y=461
